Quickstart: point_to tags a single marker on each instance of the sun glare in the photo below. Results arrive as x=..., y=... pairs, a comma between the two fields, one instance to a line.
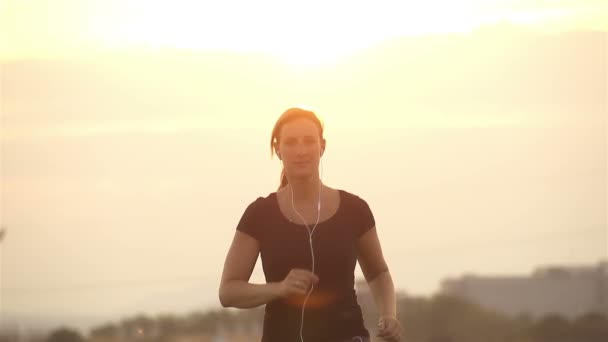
x=316, y=34
x=304, y=34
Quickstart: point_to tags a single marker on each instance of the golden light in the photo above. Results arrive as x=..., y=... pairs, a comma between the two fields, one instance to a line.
x=310, y=34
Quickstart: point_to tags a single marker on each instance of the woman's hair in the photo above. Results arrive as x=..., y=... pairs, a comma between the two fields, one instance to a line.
x=288, y=116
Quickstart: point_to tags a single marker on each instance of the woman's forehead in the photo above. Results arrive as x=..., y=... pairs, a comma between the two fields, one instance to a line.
x=299, y=127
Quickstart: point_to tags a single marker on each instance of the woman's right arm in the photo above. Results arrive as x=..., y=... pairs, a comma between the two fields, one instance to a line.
x=235, y=289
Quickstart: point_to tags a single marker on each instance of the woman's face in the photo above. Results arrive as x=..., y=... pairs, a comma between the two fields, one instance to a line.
x=300, y=147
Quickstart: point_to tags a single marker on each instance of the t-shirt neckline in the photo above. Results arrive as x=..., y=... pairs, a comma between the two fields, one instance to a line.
x=284, y=218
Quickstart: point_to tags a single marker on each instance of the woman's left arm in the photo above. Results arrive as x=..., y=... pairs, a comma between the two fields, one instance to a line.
x=380, y=282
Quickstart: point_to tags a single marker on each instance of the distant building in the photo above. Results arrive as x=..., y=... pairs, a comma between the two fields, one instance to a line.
x=568, y=291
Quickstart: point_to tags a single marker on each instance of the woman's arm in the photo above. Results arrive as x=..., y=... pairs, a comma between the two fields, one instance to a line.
x=235, y=289
x=377, y=274
x=380, y=283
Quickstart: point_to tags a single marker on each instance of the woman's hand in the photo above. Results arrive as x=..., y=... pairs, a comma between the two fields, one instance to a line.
x=297, y=282
x=389, y=329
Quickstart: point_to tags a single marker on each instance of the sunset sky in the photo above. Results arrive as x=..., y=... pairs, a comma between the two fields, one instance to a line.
x=134, y=134
x=325, y=30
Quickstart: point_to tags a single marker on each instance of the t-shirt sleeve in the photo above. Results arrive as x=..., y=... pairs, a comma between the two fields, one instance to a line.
x=249, y=223
x=365, y=217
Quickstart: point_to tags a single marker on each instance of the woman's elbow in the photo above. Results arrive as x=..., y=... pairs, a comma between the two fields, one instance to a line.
x=223, y=297
x=377, y=274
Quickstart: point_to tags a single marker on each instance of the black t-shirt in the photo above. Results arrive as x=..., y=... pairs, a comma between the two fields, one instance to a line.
x=332, y=312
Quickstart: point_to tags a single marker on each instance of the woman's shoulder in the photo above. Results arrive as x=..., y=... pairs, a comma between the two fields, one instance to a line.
x=359, y=210
x=351, y=197
x=261, y=203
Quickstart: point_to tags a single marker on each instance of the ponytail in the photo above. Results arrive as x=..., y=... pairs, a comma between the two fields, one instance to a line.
x=284, y=180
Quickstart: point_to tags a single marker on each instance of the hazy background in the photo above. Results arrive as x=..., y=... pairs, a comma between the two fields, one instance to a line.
x=134, y=134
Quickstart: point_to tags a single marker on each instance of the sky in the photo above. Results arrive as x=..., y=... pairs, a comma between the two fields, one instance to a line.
x=325, y=29
x=135, y=133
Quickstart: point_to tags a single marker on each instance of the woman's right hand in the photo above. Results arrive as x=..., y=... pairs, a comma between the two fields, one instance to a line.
x=297, y=282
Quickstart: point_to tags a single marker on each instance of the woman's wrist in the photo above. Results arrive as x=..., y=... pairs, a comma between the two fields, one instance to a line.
x=275, y=289
x=389, y=315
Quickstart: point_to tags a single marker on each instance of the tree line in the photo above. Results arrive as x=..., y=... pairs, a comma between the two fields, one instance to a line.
x=441, y=318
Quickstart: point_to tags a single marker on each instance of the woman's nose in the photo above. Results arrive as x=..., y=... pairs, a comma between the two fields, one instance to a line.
x=301, y=149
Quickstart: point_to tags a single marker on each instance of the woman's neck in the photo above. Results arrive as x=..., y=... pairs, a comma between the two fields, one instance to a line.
x=305, y=189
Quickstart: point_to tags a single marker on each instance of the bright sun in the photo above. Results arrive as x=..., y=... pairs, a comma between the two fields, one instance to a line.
x=316, y=33
x=303, y=34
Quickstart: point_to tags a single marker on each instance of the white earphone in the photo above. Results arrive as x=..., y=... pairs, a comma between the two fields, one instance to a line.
x=310, y=233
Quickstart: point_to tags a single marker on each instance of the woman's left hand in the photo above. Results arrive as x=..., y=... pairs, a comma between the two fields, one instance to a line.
x=389, y=329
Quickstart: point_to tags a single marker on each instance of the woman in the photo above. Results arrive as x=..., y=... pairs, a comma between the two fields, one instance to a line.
x=310, y=237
